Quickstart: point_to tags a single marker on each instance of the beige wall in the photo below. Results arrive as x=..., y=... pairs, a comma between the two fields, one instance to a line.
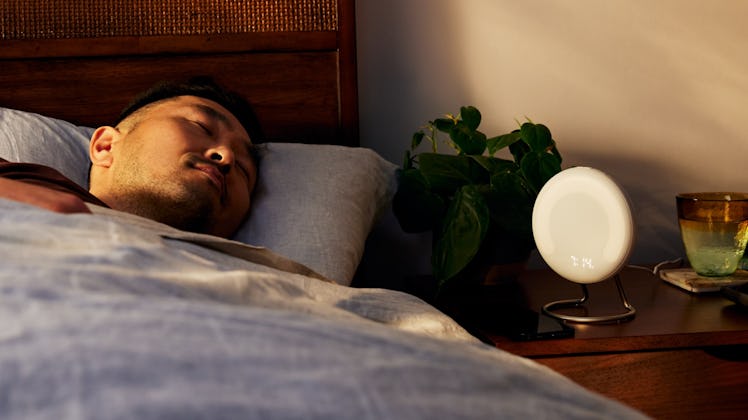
x=653, y=92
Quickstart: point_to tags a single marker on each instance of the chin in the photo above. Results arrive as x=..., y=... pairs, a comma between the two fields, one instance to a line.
x=195, y=215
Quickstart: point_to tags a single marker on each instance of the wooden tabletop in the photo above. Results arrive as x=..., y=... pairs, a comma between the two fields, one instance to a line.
x=666, y=316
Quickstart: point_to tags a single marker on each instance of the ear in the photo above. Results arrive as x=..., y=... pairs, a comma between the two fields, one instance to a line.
x=100, y=147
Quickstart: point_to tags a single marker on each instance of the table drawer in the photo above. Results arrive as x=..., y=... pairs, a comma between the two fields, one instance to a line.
x=707, y=383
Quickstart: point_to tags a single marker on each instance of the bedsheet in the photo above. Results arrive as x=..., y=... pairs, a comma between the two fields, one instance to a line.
x=110, y=316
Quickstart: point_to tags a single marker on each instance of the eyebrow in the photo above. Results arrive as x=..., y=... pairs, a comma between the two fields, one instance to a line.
x=212, y=113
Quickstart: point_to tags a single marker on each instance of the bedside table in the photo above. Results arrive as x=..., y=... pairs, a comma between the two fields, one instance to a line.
x=682, y=355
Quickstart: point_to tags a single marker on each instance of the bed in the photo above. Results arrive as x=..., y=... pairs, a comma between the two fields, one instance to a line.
x=109, y=315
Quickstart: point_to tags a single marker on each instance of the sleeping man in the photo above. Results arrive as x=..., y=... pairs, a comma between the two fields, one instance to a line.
x=181, y=154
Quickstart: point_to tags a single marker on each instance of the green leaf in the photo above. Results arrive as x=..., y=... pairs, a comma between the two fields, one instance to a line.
x=499, y=142
x=468, y=141
x=416, y=208
x=511, y=202
x=519, y=149
x=407, y=160
x=416, y=140
x=494, y=165
x=447, y=173
x=443, y=124
x=471, y=116
x=539, y=167
x=556, y=153
x=537, y=136
x=464, y=228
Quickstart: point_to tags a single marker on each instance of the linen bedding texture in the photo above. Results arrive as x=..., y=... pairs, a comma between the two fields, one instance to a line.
x=105, y=316
x=110, y=316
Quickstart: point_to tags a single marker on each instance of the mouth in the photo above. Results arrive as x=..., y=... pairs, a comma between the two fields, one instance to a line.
x=215, y=177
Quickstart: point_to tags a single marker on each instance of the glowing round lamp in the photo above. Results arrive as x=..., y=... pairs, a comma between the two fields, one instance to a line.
x=584, y=230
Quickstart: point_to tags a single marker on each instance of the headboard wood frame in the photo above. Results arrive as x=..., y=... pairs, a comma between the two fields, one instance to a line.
x=301, y=83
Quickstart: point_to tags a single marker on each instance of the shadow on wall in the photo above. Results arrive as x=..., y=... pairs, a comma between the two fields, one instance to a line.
x=397, y=90
x=651, y=186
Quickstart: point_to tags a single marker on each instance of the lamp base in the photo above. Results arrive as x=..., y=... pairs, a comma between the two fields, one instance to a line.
x=550, y=308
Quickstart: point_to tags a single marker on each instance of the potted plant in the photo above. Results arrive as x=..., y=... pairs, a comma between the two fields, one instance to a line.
x=477, y=205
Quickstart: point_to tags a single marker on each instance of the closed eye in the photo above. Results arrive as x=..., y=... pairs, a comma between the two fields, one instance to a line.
x=202, y=126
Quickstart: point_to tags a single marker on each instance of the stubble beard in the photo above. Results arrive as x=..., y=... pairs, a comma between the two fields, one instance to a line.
x=168, y=202
x=191, y=214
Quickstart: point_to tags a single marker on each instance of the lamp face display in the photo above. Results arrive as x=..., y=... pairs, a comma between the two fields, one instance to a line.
x=583, y=226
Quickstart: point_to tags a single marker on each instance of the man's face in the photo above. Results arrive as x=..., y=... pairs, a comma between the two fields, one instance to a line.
x=185, y=162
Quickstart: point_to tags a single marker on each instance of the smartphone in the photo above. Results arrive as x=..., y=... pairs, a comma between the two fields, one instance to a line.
x=531, y=325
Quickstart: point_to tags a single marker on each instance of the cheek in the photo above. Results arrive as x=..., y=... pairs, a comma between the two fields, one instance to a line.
x=158, y=158
x=240, y=198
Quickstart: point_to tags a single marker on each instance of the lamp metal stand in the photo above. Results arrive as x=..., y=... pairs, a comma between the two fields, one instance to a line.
x=551, y=307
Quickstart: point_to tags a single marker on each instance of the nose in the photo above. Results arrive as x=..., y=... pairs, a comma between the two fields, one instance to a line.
x=223, y=157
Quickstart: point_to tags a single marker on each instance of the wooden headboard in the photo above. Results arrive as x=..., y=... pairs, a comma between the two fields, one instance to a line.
x=83, y=60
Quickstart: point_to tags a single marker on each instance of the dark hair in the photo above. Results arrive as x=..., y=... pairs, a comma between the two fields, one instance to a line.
x=204, y=87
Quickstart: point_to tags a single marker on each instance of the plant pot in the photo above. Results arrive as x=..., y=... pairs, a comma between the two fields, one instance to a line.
x=502, y=273
x=490, y=295
x=502, y=258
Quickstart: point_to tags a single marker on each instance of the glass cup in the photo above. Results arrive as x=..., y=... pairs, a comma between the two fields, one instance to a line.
x=714, y=228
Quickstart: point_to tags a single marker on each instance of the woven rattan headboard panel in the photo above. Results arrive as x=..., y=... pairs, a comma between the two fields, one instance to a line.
x=81, y=60
x=43, y=19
